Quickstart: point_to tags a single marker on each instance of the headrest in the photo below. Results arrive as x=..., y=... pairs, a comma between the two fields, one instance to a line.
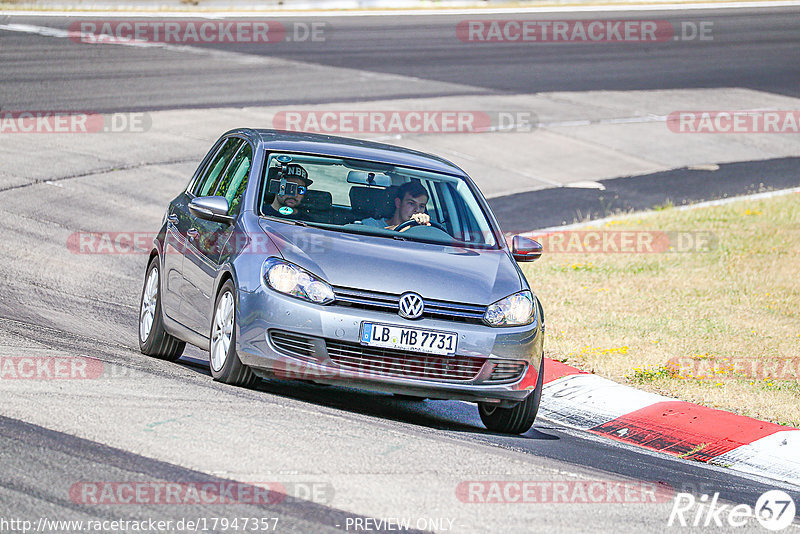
x=371, y=202
x=317, y=201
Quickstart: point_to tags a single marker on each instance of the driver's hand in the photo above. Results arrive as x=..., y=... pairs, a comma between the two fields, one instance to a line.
x=422, y=218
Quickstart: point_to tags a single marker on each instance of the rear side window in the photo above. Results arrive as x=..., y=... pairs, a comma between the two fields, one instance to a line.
x=234, y=181
x=208, y=182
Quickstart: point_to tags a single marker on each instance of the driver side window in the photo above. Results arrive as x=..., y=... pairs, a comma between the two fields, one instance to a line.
x=208, y=182
x=234, y=182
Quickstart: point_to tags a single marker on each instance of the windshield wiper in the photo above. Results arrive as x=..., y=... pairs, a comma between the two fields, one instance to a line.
x=281, y=219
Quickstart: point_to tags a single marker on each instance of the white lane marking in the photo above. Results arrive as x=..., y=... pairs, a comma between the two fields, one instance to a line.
x=386, y=11
x=704, y=167
x=40, y=30
x=586, y=184
x=246, y=58
x=634, y=215
x=47, y=31
x=777, y=454
x=620, y=120
x=251, y=59
x=637, y=119
x=227, y=55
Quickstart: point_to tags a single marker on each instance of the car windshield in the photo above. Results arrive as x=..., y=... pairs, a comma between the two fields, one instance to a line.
x=376, y=199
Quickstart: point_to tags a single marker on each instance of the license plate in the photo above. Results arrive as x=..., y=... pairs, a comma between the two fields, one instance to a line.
x=412, y=339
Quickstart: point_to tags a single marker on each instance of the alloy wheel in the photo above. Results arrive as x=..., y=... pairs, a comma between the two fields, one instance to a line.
x=149, y=301
x=222, y=332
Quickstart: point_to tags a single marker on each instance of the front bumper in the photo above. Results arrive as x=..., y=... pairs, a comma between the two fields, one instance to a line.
x=263, y=312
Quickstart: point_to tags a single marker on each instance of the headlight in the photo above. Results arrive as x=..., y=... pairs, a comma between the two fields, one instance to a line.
x=514, y=310
x=289, y=279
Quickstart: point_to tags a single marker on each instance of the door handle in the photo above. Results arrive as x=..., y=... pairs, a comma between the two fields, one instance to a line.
x=192, y=233
x=172, y=218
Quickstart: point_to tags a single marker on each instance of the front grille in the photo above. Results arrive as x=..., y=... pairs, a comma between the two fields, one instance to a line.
x=437, y=309
x=292, y=343
x=506, y=371
x=396, y=363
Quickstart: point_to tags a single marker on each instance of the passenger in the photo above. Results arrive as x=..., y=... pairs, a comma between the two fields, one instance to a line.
x=409, y=204
x=286, y=205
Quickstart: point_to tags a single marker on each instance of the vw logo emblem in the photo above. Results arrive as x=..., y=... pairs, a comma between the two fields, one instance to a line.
x=411, y=306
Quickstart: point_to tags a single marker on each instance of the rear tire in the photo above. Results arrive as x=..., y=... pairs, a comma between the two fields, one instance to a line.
x=518, y=419
x=225, y=365
x=153, y=339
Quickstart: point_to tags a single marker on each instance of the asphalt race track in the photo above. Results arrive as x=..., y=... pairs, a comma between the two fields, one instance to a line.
x=754, y=49
x=337, y=458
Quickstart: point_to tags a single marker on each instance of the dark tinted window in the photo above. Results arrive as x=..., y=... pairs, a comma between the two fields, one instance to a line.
x=234, y=181
x=208, y=182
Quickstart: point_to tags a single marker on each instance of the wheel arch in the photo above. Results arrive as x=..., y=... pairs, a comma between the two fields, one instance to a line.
x=225, y=274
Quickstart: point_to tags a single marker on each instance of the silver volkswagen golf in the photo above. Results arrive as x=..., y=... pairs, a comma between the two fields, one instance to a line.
x=340, y=261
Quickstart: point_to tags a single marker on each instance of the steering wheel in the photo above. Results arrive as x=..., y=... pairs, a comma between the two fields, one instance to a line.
x=411, y=223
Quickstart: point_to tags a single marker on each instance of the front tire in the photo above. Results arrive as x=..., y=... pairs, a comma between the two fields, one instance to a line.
x=153, y=339
x=518, y=419
x=226, y=367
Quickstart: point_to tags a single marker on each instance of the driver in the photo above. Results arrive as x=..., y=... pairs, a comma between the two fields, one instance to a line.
x=286, y=205
x=409, y=204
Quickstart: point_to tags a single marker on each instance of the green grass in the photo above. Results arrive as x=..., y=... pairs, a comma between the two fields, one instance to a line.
x=738, y=299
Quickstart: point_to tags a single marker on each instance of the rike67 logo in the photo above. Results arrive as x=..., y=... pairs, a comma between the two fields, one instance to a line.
x=774, y=510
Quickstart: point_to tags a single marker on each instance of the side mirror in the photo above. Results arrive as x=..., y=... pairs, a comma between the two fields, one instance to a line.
x=211, y=209
x=524, y=249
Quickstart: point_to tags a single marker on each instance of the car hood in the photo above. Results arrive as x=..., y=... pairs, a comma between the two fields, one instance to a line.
x=438, y=272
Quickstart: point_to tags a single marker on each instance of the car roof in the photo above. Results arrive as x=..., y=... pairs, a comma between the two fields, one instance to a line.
x=344, y=147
